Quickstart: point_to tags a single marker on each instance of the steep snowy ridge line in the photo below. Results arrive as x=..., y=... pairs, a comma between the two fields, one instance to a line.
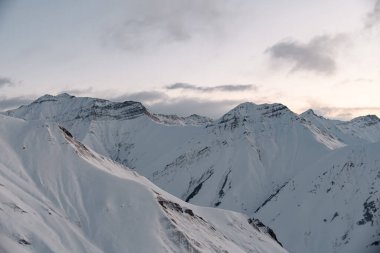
x=169, y=206
x=337, y=133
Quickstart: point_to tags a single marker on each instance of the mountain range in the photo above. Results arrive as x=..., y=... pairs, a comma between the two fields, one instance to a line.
x=314, y=181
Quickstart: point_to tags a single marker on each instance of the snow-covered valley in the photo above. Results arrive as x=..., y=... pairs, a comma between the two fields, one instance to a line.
x=314, y=181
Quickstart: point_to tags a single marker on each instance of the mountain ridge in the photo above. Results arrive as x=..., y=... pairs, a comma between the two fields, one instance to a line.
x=56, y=98
x=244, y=161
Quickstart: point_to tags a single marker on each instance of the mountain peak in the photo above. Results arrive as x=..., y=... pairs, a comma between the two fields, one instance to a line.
x=370, y=117
x=309, y=112
x=367, y=120
x=249, y=109
x=52, y=98
x=65, y=107
x=65, y=95
x=46, y=97
x=253, y=112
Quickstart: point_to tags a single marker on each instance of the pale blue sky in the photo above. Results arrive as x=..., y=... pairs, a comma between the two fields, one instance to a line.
x=322, y=54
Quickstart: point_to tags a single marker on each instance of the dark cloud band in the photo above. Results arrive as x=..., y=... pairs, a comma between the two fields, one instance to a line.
x=188, y=106
x=373, y=18
x=143, y=96
x=318, y=55
x=5, y=81
x=13, y=102
x=150, y=23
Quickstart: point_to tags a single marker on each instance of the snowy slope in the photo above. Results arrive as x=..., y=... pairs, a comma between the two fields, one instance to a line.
x=364, y=127
x=65, y=108
x=241, y=162
x=325, y=130
x=235, y=162
x=333, y=207
x=337, y=133
x=56, y=195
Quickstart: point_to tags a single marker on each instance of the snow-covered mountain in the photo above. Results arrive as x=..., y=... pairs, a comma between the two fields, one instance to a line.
x=235, y=162
x=333, y=206
x=64, y=107
x=243, y=161
x=363, y=129
x=57, y=195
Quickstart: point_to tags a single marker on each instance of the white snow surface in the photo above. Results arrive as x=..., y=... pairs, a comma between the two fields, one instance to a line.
x=333, y=206
x=56, y=195
x=243, y=162
x=235, y=162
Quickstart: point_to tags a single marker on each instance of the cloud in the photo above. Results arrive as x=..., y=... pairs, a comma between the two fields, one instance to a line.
x=342, y=113
x=188, y=106
x=5, y=81
x=318, y=55
x=162, y=101
x=145, y=97
x=153, y=22
x=223, y=88
x=347, y=113
x=373, y=17
x=13, y=102
x=159, y=101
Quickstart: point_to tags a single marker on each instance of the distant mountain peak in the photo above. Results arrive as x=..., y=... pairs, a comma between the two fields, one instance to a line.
x=367, y=118
x=65, y=107
x=252, y=110
x=365, y=121
x=46, y=97
x=65, y=95
x=309, y=112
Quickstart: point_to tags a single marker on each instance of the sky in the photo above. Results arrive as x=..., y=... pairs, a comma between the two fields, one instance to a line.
x=195, y=56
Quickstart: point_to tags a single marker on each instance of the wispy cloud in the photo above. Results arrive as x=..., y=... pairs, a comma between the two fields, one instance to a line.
x=162, y=101
x=341, y=112
x=317, y=55
x=223, y=88
x=157, y=22
x=145, y=97
x=373, y=17
x=193, y=105
x=6, y=81
x=346, y=113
